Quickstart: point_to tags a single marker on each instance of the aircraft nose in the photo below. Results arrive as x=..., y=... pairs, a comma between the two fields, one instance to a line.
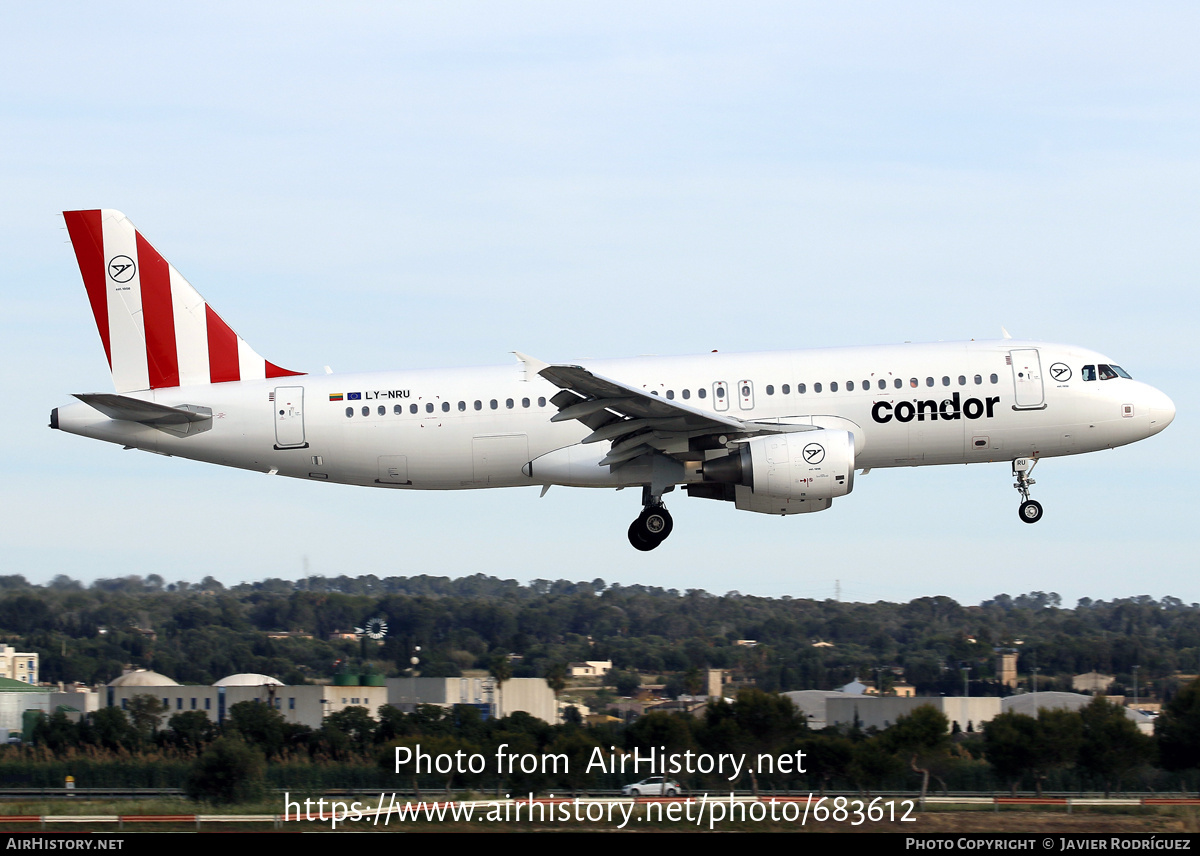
x=1162, y=410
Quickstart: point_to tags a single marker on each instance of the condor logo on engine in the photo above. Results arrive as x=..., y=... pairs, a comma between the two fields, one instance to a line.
x=950, y=408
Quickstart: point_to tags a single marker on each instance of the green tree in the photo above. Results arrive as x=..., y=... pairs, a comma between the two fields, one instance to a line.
x=229, y=772
x=259, y=725
x=110, y=727
x=356, y=724
x=500, y=668
x=145, y=712
x=1010, y=744
x=191, y=729
x=1178, y=730
x=1112, y=747
x=922, y=740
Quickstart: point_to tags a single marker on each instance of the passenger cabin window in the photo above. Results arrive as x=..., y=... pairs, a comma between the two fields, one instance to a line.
x=849, y=386
x=801, y=388
x=493, y=404
x=670, y=395
x=508, y=402
x=541, y=401
x=912, y=381
x=412, y=408
x=929, y=381
x=978, y=379
x=366, y=411
x=687, y=393
x=786, y=389
x=462, y=407
x=429, y=407
x=770, y=389
x=833, y=386
x=945, y=380
x=702, y=393
x=816, y=387
x=478, y=404
x=882, y=383
x=962, y=380
x=445, y=406
x=898, y=383
x=349, y=412
x=382, y=410
x=398, y=409
x=995, y=378
x=524, y=402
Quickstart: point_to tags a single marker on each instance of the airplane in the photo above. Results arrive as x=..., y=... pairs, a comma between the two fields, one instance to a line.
x=780, y=432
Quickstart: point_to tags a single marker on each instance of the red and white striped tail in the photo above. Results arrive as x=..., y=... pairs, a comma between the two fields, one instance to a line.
x=157, y=330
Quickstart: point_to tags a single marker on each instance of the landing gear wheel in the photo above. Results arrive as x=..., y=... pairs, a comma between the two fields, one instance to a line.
x=1030, y=511
x=651, y=528
x=657, y=522
x=639, y=540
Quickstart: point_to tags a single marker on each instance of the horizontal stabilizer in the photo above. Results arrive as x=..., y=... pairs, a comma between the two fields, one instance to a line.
x=181, y=421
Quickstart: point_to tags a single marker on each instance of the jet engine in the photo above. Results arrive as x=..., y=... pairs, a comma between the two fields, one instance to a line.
x=789, y=473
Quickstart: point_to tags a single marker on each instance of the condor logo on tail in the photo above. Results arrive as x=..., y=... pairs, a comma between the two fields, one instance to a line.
x=950, y=408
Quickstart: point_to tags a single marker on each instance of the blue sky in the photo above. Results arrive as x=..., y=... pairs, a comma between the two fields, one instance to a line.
x=403, y=185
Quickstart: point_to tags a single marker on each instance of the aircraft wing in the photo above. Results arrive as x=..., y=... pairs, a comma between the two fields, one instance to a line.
x=636, y=421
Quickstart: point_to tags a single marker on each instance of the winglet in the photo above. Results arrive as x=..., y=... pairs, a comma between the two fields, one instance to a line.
x=1005, y=333
x=532, y=365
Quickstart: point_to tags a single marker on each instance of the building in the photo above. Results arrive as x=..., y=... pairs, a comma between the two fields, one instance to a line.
x=590, y=669
x=18, y=665
x=531, y=695
x=17, y=699
x=304, y=705
x=871, y=711
x=1006, y=668
x=1091, y=682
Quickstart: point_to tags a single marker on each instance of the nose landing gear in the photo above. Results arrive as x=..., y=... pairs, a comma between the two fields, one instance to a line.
x=652, y=526
x=1030, y=510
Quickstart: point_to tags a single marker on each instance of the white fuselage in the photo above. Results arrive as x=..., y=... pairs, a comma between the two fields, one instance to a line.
x=906, y=405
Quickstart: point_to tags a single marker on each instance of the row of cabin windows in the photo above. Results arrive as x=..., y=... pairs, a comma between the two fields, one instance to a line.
x=686, y=394
x=802, y=388
x=509, y=404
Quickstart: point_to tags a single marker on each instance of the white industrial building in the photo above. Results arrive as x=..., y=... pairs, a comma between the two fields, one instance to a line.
x=305, y=705
x=531, y=695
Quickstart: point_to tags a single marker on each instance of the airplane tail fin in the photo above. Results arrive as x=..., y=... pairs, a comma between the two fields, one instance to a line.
x=157, y=331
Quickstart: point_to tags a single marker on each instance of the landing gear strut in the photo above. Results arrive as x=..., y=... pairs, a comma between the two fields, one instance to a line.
x=1030, y=510
x=652, y=526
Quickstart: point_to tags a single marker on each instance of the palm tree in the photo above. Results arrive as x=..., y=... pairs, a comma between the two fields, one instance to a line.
x=501, y=670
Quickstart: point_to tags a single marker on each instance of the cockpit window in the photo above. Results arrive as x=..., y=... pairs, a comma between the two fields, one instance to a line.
x=1089, y=372
x=1110, y=372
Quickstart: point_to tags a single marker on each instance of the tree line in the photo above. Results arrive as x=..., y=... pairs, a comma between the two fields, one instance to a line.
x=198, y=633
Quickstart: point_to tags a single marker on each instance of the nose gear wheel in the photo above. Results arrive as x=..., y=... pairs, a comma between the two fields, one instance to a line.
x=1030, y=510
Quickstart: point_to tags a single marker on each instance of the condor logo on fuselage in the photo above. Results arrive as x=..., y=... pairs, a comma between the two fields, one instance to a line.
x=950, y=408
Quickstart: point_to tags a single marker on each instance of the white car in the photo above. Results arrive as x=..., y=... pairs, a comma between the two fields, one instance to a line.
x=655, y=786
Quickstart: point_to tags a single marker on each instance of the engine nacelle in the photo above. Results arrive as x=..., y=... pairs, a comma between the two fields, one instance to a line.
x=803, y=465
x=790, y=473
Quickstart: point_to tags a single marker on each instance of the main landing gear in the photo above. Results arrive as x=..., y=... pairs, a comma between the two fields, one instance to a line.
x=1030, y=510
x=652, y=526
